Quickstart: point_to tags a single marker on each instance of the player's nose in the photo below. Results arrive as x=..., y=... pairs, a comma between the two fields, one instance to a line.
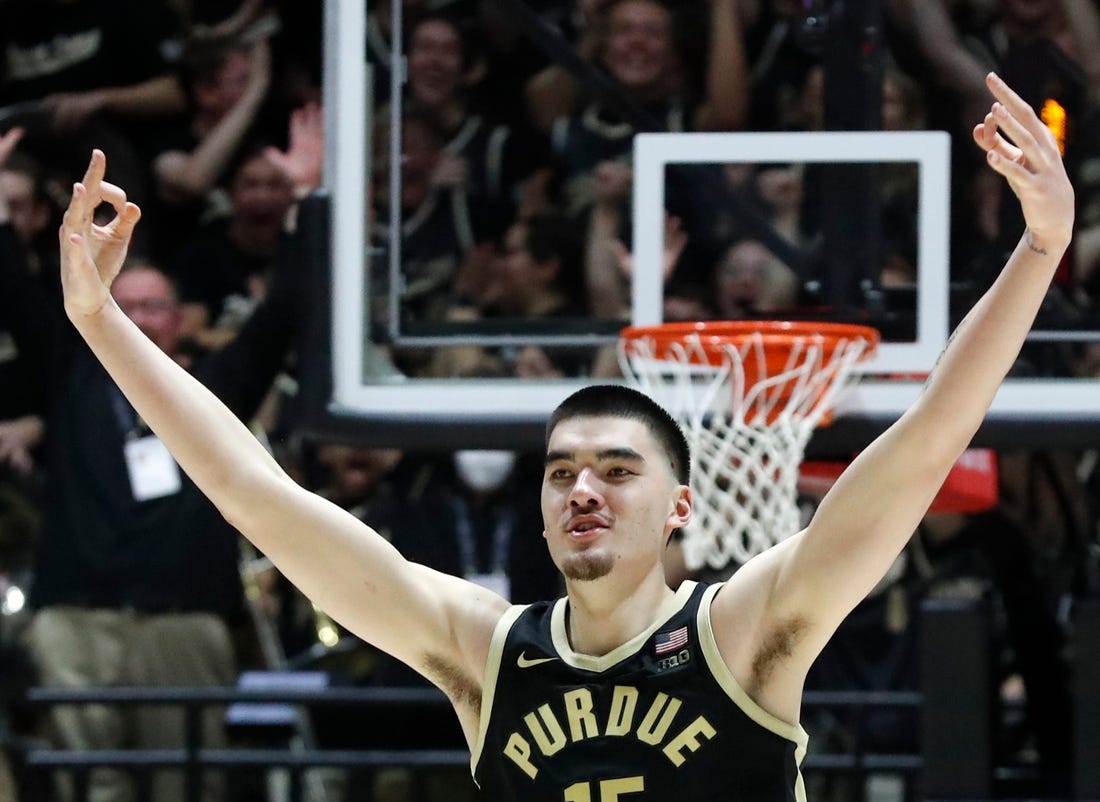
x=585, y=492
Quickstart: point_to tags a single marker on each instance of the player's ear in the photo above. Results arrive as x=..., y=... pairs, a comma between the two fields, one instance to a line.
x=681, y=508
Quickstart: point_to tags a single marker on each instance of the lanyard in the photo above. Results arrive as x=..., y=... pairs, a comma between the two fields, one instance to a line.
x=129, y=424
x=467, y=548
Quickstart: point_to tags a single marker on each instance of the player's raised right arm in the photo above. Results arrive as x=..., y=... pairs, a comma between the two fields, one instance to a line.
x=437, y=624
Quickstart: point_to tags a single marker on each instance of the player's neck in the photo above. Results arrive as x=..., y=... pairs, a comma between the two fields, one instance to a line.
x=606, y=613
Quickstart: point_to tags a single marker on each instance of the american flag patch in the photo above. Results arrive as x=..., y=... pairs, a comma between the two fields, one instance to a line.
x=670, y=641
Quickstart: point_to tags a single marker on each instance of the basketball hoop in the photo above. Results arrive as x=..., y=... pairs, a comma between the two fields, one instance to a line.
x=748, y=395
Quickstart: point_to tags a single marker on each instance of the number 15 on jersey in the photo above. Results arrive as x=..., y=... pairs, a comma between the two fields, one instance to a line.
x=607, y=790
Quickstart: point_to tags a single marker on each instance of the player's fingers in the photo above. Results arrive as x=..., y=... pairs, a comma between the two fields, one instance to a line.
x=1005, y=148
x=97, y=167
x=71, y=258
x=114, y=195
x=122, y=224
x=127, y=219
x=78, y=215
x=980, y=137
x=1017, y=107
x=1013, y=171
x=988, y=139
x=1019, y=134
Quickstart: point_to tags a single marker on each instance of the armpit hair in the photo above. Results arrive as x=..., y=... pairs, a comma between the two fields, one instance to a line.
x=778, y=646
x=453, y=681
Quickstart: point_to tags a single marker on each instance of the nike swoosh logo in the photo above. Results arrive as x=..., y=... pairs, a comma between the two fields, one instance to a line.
x=525, y=662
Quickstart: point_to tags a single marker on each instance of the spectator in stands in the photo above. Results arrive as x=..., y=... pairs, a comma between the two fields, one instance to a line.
x=227, y=82
x=380, y=35
x=639, y=53
x=22, y=184
x=479, y=157
x=511, y=60
x=481, y=523
x=22, y=403
x=781, y=58
x=22, y=394
x=780, y=188
x=224, y=269
x=358, y=480
x=97, y=70
x=540, y=274
x=437, y=228
x=609, y=266
x=1072, y=26
x=133, y=557
x=216, y=18
x=750, y=281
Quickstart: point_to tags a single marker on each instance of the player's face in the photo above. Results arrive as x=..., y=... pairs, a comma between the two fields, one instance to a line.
x=608, y=496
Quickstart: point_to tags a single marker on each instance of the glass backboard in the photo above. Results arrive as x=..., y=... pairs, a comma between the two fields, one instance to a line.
x=380, y=385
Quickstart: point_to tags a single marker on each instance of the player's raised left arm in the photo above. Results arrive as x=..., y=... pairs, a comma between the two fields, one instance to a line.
x=813, y=580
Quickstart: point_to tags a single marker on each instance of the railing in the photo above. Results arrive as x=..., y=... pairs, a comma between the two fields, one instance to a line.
x=954, y=761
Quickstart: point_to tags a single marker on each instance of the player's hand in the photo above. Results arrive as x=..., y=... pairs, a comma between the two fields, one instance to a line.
x=92, y=255
x=1024, y=151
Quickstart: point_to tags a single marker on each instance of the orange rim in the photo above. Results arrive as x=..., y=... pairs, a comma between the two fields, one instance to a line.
x=779, y=338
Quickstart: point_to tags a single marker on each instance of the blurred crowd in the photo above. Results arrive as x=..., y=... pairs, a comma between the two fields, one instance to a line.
x=516, y=128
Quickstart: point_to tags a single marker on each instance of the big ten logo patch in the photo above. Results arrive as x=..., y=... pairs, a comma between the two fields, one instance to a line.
x=678, y=660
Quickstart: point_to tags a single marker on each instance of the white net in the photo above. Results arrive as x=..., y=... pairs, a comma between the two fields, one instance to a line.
x=748, y=409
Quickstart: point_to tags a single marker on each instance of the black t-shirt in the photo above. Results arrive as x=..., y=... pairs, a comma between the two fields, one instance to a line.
x=658, y=718
x=22, y=380
x=213, y=271
x=100, y=546
x=51, y=46
x=103, y=548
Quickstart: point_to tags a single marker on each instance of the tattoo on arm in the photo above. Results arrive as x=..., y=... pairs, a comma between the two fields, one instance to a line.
x=1032, y=246
x=939, y=359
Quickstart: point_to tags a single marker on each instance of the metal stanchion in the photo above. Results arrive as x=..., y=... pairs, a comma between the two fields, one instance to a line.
x=1086, y=701
x=956, y=716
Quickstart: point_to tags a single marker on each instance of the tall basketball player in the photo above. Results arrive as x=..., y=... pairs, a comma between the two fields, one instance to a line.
x=623, y=690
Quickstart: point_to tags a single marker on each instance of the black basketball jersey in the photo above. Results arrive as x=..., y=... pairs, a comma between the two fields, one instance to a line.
x=658, y=718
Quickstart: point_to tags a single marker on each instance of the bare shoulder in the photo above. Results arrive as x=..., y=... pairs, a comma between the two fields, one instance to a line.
x=475, y=612
x=760, y=638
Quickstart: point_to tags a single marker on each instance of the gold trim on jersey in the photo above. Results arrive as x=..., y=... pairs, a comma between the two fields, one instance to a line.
x=489, y=684
x=588, y=662
x=721, y=672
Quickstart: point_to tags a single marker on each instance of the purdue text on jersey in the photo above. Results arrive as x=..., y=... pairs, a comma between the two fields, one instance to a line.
x=658, y=718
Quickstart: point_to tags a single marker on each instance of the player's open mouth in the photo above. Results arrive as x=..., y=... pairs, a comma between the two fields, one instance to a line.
x=587, y=527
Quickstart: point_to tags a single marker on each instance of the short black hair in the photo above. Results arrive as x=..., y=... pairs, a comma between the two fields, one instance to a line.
x=617, y=401
x=448, y=19
x=203, y=59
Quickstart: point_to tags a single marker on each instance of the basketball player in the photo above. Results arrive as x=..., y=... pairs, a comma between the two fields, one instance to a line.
x=624, y=690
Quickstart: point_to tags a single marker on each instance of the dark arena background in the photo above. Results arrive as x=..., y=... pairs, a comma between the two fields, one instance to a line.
x=394, y=237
